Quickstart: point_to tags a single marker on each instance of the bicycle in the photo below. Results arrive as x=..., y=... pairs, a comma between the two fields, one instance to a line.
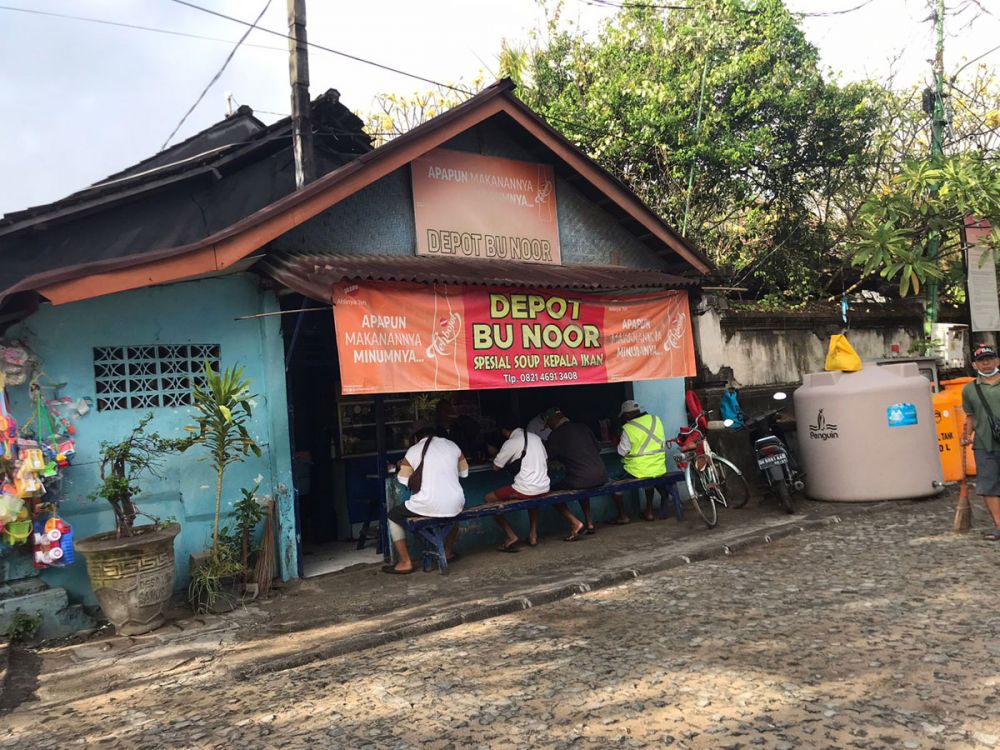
x=712, y=480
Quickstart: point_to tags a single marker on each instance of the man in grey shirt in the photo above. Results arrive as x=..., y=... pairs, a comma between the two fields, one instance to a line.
x=980, y=398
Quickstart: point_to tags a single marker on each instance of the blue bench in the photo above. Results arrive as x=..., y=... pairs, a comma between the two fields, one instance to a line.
x=432, y=531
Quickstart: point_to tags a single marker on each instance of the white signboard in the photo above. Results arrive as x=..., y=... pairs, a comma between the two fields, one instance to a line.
x=983, y=300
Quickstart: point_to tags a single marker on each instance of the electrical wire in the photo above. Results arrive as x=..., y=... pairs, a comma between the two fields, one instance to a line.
x=217, y=75
x=135, y=27
x=346, y=55
x=975, y=60
x=828, y=13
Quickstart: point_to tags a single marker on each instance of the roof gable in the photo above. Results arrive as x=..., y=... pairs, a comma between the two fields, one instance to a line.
x=229, y=245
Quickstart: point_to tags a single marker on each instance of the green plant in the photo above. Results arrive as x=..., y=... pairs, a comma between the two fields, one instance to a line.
x=924, y=347
x=247, y=514
x=120, y=465
x=208, y=585
x=23, y=627
x=223, y=411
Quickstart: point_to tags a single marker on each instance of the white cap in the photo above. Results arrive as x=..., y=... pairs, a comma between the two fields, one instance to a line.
x=629, y=406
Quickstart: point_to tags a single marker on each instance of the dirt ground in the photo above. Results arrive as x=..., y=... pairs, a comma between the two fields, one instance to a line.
x=877, y=632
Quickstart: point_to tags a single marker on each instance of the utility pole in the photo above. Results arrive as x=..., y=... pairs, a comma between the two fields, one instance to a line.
x=298, y=74
x=938, y=123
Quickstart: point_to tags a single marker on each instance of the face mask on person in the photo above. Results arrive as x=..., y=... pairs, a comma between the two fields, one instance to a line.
x=990, y=374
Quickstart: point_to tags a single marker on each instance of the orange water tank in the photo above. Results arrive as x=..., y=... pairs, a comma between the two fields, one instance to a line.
x=950, y=419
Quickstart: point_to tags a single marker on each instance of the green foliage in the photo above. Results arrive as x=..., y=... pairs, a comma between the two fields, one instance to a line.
x=223, y=411
x=121, y=464
x=777, y=144
x=210, y=582
x=247, y=515
x=23, y=627
x=925, y=346
x=925, y=199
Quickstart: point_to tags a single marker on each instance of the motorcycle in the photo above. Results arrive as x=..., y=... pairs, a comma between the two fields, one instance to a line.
x=773, y=458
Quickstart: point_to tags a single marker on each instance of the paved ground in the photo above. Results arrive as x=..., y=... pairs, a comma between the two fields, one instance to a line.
x=879, y=632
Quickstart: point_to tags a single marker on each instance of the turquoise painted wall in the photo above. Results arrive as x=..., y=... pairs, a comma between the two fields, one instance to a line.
x=664, y=398
x=200, y=312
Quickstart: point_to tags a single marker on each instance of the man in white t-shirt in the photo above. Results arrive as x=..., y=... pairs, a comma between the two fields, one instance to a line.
x=532, y=479
x=440, y=495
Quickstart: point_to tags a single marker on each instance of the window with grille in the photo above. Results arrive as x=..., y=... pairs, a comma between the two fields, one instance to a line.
x=150, y=377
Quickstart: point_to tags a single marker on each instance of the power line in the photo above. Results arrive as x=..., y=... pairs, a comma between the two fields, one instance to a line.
x=217, y=75
x=974, y=60
x=828, y=13
x=135, y=27
x=346, y=55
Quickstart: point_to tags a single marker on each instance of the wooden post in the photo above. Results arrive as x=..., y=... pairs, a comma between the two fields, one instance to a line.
x=298, y=74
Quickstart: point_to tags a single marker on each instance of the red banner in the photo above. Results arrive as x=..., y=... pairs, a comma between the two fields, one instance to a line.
x=397, y=338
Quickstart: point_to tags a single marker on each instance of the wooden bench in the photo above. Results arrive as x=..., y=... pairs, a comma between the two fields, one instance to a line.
x=432, y=531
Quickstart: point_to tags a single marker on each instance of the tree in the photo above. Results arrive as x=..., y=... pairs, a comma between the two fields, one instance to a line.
x=917, y=197
x=767, y=143
x=890, y=234
x=121, y=465
x=395, y=114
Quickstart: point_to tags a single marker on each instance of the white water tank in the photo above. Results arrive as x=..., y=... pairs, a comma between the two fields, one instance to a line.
x=868, y=435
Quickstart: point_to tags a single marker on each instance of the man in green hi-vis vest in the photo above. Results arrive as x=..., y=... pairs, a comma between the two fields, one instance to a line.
x=643, y=448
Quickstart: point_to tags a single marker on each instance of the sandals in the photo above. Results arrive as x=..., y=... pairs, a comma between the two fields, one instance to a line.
x=619, y=522
x=576, y=535
x=514, y=546
x=992, y=536
x=392, y=571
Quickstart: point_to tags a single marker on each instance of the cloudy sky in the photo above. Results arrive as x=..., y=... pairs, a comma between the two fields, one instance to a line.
x=82, y=100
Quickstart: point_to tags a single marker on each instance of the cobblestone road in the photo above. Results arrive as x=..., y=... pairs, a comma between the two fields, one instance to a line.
x=881, y=632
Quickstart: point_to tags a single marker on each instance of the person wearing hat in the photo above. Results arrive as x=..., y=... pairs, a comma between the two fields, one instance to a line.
x=538, y=424
x=643, y=448
x=574, y=446
x=981, y=402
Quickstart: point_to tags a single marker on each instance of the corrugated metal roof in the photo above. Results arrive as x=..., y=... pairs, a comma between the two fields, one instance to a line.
x=314, y=274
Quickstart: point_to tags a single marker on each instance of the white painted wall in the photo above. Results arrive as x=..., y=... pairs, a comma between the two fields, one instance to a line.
x=781, y=356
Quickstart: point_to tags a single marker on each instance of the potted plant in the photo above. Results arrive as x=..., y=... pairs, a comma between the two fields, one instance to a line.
x=222, y=412
x=132, y=568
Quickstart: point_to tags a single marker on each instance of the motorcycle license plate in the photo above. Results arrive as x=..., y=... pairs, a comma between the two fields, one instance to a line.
x=775, y=460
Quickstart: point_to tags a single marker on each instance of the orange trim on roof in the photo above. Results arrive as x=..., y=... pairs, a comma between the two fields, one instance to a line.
x=229, y=246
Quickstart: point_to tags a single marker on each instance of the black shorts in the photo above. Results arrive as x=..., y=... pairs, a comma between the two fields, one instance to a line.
x=400, y=513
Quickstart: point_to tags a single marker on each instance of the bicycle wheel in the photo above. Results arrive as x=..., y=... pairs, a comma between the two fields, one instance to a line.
x=731, y=486
x=698, y=488
x=784, y=496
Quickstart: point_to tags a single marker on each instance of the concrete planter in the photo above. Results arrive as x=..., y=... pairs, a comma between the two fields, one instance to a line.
x=133, y=578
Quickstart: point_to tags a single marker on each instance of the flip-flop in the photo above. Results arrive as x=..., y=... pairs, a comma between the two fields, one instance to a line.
x=618, y=522
x=575, y=536
x=514, y=546
x=992, y=536
x=590, y=530
x=392, y=571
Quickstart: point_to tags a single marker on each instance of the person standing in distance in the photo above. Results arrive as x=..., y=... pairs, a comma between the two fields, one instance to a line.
x=981, y=402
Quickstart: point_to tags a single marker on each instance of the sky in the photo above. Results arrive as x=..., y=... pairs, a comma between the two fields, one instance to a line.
x=82, y=100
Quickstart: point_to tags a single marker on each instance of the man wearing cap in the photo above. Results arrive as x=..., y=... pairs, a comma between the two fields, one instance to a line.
x=643, y=448
x=574, y=446
x=537, y=425
x=981, y=401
